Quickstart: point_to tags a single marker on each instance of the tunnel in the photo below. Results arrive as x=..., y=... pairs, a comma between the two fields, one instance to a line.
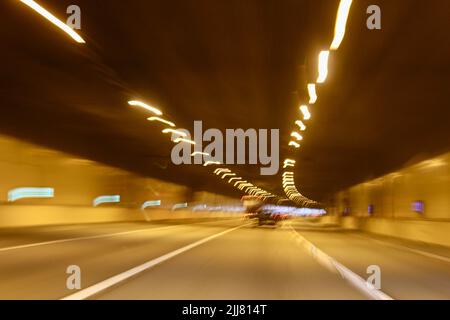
x=225, y=150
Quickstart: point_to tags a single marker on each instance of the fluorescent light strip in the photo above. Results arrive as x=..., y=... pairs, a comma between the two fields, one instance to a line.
x=294, y=144
x=239, y=182
x=178, y=132
x=305, y=112
x=220, y=170
x=228, y=175
x=297, y=136
x=150, y=203
x=208, y=163
x=145, y=106
x=179, y=206
x=341, y=22
x=300, y=125
x=106, y=199
x=323, y=66
x=50, y=17
x=312, y=93
x=30, y=192
x=196, y=153
x=169, y=123
x=190, y=142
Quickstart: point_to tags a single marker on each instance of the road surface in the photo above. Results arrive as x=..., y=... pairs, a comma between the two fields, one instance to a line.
x=213, y=259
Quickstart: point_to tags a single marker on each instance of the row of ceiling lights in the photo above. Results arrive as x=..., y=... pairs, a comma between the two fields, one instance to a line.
x=177, y=135
x=243, y=185
x=288, y=179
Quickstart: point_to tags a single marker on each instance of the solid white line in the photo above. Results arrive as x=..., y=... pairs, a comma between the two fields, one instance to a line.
x=400, y=247
x=24, y=246
x=105, y=284
x=331, y=264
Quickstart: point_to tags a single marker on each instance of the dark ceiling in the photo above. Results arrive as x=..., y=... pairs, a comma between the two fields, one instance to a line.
x=231, y=64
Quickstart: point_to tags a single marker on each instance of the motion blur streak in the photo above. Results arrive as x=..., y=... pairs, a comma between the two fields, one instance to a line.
x=50, y=17
x=232, y=76
x=294, y=144
x=193, y=142
x=22, y=193
x=150, y=203
x=297, y=136
x=145, y=106
x=199, y=153
x=323, y=66
x=169, y=123
x=305, y=111
x=106, y=199
x=207, y=163
x=300, y=125
x=177, y=132
x=341, y=23
x=312, y=93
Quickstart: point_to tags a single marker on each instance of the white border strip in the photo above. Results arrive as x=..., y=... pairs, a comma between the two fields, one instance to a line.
x=105, y=284
x=334, y=266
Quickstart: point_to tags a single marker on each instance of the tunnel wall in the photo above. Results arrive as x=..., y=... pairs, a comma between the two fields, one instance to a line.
x=28, y=216
x=411, y=203
x=77, y=182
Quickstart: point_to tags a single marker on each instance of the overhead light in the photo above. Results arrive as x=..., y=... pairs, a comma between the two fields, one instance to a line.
x=208, y=163
x=185, y=140
x=301, y=125
x=30, y=192
x=246, y=186
x=228, y=175
x=106, y=199
x=178, y=132
x=239, y=182
x=179, y=206
x=169, y=123
x=195, y=153
x=305, y=112
x=220, y=170
x=289, y=161
x=341, y=22
x=296, y=135
x=145, y=106
x=294, y=144
x=312, y=93
x=150, y=203
x=323, y=66
x=50, y=17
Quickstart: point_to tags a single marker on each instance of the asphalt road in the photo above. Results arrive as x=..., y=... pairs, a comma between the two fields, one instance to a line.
x=220, y=259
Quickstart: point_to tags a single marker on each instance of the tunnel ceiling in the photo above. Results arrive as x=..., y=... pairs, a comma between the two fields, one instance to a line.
x=231, y=64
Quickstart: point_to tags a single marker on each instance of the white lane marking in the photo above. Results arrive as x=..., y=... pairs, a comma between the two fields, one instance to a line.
x=105, y=284
x=400, y=247
x=31, y=245
x=331, y=264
